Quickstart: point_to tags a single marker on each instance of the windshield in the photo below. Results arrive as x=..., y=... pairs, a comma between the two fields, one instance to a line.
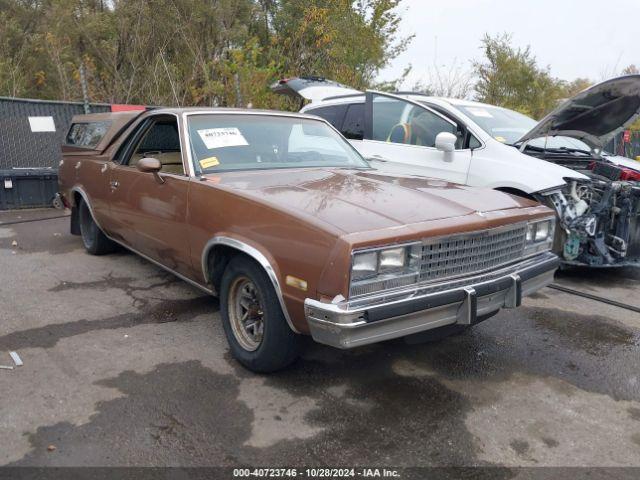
x=508, y=126
x=504, y=125
x=257, y=142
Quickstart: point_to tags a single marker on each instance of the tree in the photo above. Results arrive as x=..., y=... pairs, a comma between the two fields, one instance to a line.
x=345, y=40
x=571, y=89
x=510, y=77
x=190, y=52
x=449, y=82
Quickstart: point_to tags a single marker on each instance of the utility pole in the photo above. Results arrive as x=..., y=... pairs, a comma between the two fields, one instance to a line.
x=236, y=80
x=83, y=79
x=85, y=92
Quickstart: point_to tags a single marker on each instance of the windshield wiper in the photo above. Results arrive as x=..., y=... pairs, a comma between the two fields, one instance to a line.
x=557, y=150
x=572, y=150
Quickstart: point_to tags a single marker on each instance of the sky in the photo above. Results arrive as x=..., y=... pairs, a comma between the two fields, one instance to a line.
x=589, y=38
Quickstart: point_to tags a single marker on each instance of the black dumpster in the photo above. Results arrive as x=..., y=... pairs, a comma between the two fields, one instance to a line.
x=27, y=188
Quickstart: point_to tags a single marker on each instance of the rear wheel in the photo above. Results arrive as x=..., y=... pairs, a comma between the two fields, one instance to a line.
x=255, y=327
x=95, y=242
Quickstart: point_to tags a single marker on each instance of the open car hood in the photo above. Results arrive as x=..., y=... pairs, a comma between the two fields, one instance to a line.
x=594, y=115
x=313, y=89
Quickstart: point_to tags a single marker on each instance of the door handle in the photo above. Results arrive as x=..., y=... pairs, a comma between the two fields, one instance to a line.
x=114, y=184
x=379, y=158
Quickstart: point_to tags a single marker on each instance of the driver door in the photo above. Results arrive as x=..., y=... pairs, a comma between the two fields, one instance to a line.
x=400, y=137
x=149, y=211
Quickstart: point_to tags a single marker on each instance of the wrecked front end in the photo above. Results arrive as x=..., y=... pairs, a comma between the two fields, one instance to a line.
x=599, y=219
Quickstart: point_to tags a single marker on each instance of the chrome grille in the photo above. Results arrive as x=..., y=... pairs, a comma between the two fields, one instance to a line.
x=466, y=253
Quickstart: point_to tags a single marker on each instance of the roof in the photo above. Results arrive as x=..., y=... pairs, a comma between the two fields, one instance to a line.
x=182, y=110
x=415, y=96
x=95, y=117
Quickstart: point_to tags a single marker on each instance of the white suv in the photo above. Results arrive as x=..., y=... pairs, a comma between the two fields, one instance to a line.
x=559, y=161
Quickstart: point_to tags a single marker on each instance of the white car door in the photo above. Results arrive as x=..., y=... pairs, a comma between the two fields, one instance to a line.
x=401, y=134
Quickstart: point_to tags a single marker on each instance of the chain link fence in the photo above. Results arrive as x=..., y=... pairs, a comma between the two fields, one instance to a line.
x=32, y=131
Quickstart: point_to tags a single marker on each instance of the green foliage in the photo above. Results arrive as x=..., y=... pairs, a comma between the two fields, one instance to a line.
x=510, y=77
x=190, y=52
x=571, y=89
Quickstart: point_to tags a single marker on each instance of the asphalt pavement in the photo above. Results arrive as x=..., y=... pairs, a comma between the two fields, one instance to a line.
x=125, y=364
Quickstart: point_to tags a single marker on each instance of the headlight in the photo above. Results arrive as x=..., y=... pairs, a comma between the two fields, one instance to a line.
x=531, y=232
x=539, y=235
x=364, y=265
x=392, y=259
x=383, y=268
x=542, y=231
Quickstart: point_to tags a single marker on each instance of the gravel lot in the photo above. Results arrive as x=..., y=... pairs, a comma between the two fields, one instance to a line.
x=127, y=365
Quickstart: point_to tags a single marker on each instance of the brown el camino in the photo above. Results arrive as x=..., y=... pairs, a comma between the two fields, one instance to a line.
x=282, y=219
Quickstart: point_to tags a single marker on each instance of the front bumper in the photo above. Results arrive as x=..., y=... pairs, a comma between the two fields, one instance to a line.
x=400, y=313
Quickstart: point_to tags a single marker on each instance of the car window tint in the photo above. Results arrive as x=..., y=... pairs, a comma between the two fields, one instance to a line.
x=87, y=135
x=402, y=122
x=353, y=126
x=162, y=142
x=387, y=113
x=332, y=114
x=474, y=142
x=161, y=137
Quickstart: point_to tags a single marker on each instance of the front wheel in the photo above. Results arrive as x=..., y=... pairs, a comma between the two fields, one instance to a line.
x=255, y=327
x=95, y=242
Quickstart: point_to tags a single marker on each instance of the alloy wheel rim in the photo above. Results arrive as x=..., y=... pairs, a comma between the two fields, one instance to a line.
x=246, y=313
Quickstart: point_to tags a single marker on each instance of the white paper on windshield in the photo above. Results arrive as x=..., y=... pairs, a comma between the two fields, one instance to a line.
x=480, y=112
x=222, y=137
x=42, y=124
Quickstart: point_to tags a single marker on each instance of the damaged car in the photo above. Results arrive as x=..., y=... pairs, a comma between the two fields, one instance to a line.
x=559, y=161
x=282, y=219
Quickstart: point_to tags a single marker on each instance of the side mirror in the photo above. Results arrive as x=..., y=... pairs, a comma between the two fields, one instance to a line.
x=446, y=142
x=149, y=165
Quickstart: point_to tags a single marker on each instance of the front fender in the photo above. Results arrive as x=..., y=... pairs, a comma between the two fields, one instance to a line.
x=503, y=166
x=259, y=254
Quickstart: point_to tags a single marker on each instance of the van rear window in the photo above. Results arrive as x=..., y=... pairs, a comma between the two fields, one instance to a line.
x=87, y=135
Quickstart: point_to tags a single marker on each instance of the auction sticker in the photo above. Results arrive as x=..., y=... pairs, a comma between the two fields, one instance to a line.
x=222, y=137
x=209, y=162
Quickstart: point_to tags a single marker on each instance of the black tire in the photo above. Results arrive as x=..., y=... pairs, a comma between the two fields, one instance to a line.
x=278, y=345
x=95, y=242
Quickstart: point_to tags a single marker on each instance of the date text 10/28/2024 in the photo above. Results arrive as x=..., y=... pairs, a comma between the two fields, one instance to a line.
x=338, y=473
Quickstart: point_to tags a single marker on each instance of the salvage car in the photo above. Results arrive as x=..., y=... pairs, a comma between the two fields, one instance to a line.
x=279, y=216
x=559, y=161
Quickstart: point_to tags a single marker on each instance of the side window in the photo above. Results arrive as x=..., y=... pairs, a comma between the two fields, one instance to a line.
x=353, y=126
x=402, y=122
x=87, y=135
x=474, y=142
x=332, y=114
x=160, y=141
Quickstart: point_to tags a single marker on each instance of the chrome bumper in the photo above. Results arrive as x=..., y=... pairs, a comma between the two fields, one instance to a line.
x=348, y=325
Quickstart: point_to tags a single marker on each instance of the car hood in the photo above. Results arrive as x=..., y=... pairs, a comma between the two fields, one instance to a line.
x=623, y=162
x=364, y=200
x=594, y=115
